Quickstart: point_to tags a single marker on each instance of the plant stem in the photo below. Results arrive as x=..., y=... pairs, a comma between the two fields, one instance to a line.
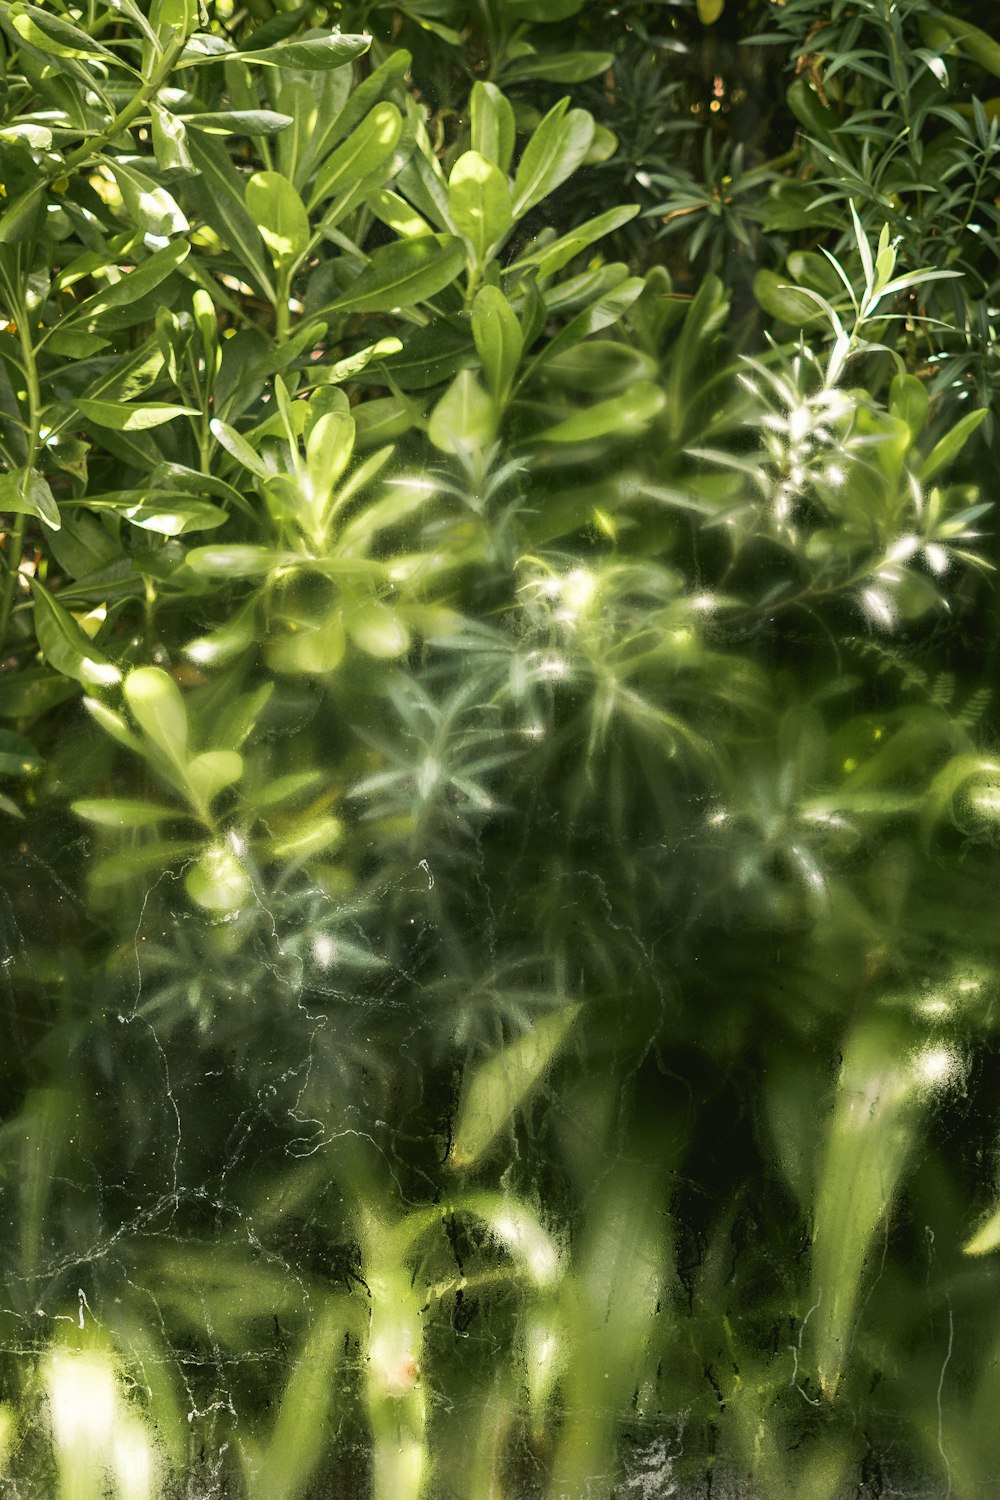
x=123, y=119
x=16, y=536
x=281, y=319
x=15, y=543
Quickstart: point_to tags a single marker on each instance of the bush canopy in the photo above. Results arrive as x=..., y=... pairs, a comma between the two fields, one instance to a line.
x=499, y=773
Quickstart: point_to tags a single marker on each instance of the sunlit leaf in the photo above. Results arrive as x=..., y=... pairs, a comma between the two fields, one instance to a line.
x=65, y=646
x=158, y=708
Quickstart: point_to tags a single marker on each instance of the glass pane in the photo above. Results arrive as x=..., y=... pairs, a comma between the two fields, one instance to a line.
x=498, y=786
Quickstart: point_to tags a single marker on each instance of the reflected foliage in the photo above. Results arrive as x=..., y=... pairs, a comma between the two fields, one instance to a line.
x=497, y=772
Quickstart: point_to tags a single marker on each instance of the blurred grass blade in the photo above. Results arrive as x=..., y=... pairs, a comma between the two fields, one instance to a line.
x=281, y=1467
x=873, y=1126
x=46, y=1118
x=611, y=1301
x=498, y=1087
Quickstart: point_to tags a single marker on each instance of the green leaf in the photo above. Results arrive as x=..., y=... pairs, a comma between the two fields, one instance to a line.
x=329, y=448
x=552, y=257
x=545, y=10
x=218, y=882
x=367, y=149
x=53, y=35
x=381, y=421
x=342, y=107
x=31, y=691
x=810, y=111
x=986, y=1237
x=353, y=364
x=519, y=1230
x=498, y=340
x=170, y=145
x=479, y=203
x=113, y=724
x=135, y=284
x=604, y=311
x=958, y=773
x=378, y=631
x=46, y=1118
x=619, y=416
x=236, y=721
x=602, y=147
x=158, y=708
x=600, y=367
x=974, y=42
x=18, y=756
x=165, y=513
x=122, y=812
x=237, y=447
x=873, y=1127
x=19, y=221
x=310, y=55
x=74, y=343
x=211, y=772
x=82, y=546
x=559, y=67
x=307, y=839
x=229, y=122
x=494, y=1090
x=281, y=1467
x=237, y=561
x=492, y=127
x=217, y=193
x=402, y=274
x=129, y=864
x=465, y=418
x=951, y=444
x=553, y=153
x=280, y=215
x=38, y=137
x=167, y=16
x=150, y=207
x=26, y=493
x=138, y=417
x=65, y=646
x=909, y=400
x=392, y=210
x=228, y=641
x=310, y=650
x=786, y=303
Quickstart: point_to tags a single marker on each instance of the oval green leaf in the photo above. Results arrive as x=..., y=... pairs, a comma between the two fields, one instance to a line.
x=65, y=646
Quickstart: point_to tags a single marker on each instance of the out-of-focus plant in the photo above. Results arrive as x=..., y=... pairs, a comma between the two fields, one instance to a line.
x=499, y=796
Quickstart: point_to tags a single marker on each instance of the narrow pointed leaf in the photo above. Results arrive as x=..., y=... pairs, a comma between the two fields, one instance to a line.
x=498, y=339
x=623, y=416
x=951, y=444
x=405, y=273
x=26, y=493
x=65, y=646
x=311, y=55
x=122, y=812
x=121, y=416
x=554, y=152
x=494, y=1090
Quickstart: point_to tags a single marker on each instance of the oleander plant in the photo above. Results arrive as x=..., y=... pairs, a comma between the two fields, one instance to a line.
x=499, y=749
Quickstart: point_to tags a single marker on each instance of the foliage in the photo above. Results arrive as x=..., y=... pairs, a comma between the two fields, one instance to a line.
x=499, y=797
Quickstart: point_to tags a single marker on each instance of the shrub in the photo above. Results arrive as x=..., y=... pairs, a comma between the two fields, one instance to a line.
x=499, y=800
